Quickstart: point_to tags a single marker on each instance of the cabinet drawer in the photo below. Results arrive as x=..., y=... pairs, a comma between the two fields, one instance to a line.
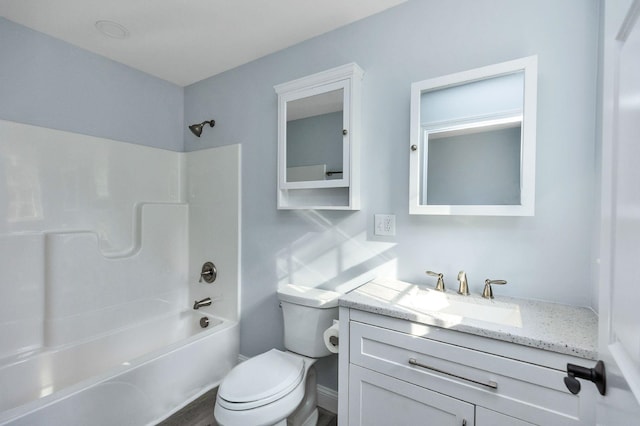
x=525, y=391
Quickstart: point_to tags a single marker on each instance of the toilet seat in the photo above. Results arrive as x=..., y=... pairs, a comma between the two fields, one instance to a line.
x=261, y=380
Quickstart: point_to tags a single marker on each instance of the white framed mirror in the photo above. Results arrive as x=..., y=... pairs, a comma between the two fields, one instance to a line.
x=318, y=118
x=473, y=139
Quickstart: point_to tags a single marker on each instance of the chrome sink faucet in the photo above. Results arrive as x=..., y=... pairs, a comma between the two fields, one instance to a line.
x=440, y=283
x=464, y=286
x=200, y=303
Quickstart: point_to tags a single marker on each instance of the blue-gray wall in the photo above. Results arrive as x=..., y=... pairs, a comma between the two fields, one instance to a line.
x=50, y=83
x=544, y=257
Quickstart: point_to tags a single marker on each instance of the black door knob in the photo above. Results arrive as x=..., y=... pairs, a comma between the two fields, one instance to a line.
x=597, y=375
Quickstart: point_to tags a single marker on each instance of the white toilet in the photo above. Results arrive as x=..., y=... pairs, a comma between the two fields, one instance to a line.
x=279, y=388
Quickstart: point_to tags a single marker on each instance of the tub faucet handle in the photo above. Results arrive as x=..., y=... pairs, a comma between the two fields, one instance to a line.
x=487, y=293
x=209, y=272
x=464, y=286
x=440, y=283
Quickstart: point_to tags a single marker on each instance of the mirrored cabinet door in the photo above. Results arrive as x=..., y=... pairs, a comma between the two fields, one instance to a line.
x=473, y=142
x=318, y=157
x=316, y=138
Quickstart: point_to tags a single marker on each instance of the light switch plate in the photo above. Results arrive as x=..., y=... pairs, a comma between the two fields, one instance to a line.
x=384, y=224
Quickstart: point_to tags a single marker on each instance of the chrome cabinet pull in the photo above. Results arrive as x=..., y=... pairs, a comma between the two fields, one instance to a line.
x=490, y=384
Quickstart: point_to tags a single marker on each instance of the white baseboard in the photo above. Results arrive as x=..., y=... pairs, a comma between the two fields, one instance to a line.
x=327, y=397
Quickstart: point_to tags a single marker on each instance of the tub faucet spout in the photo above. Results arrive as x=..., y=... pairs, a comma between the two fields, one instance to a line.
x=200, y=303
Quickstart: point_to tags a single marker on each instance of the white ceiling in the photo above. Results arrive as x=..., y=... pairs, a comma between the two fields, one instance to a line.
x=184, y=41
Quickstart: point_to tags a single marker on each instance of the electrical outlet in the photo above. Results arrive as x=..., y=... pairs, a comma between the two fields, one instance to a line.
x=384, y=224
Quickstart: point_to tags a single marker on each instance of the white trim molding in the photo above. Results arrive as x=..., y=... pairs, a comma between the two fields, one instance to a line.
x=328, y=399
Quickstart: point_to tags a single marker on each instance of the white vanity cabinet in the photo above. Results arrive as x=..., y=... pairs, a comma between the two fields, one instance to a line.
x=404, y=373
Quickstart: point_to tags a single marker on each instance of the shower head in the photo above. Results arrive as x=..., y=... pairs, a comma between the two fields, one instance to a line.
x=196, y=129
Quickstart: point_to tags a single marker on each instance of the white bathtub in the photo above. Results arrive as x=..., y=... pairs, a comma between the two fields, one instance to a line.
x=136, y=376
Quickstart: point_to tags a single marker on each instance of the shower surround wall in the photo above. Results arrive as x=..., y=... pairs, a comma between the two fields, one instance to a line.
x=61, y=183
x=95, y=234
x=88, y=293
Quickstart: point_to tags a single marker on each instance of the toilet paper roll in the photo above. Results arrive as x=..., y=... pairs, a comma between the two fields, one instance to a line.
x=331, y=337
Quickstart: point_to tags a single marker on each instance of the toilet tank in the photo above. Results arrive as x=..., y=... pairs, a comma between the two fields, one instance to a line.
x=307, y=313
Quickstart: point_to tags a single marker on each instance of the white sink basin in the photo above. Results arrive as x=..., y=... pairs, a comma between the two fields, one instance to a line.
x=433, y=302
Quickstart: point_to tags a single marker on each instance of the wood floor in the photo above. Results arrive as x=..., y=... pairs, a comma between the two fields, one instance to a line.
x=200, y=413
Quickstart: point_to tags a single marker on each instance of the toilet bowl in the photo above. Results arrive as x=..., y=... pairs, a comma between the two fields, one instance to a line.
x=263, y=390
x=277, y=386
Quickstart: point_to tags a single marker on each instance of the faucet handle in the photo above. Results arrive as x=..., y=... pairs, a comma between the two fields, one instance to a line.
x=440, y=283
x=209, y=272
x=464, y=285
x=487, y=293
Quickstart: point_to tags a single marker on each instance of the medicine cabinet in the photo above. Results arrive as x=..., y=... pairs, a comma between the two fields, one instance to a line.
x=318, y=140
x=473, y=141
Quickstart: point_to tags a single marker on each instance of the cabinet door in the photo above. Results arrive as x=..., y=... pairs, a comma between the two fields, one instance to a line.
x=485, y=417
x=318, y=133
x=377, y=399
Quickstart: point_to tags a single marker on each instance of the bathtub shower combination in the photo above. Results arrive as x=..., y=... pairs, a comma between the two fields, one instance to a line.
x=133, y=376
x=97, y=282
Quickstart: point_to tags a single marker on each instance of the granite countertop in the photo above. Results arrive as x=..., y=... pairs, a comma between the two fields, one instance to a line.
x=554, y=327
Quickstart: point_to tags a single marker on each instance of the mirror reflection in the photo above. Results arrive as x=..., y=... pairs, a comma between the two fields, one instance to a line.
x=471, y=142
x=314, y=138
x=474, y=166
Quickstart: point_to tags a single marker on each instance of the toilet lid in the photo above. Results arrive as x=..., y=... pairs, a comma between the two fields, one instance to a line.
x=261, y=380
